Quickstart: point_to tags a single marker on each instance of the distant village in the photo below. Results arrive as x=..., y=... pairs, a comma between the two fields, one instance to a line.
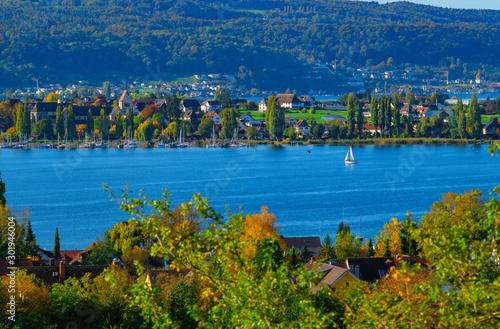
x=165, y=116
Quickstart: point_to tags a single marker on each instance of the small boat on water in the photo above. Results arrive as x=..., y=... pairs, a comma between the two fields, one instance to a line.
x=213, y=145
x=181, y=142
x=349, y=158
x=60, y=146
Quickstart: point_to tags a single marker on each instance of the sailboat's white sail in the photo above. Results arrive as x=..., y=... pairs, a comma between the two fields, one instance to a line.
x=349, y=158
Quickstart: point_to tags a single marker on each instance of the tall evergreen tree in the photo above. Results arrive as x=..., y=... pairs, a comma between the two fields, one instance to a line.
x=277, y=121
x=461, y=120
x=409, y=246
x=27, y=113
x=374, y=113
x=360, y=119
x=30, y=242
x=106, y=90
x=474, y=117
x=129, y=122
x=71, y=123
x=119, y=125
x=228, y=123
x=478, y=131
x=173, y=108
x=90, y=123
x=20, y=126
x=327, y=251
x=369, y=249
x=225, y=100
x=57, y=246
x=3, y=201
x=271, y=106
x=388, y=111
x=382, y=115
x=396, y=113
x=59, y=123
x=104, y=124
x=351, y=112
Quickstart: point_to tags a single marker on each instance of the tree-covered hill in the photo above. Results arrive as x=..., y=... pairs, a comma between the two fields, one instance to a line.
x=265, y=43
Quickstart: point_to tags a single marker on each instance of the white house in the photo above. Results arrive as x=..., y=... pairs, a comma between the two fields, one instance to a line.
x=125, y=102
x=211, y=105
x=213, y=116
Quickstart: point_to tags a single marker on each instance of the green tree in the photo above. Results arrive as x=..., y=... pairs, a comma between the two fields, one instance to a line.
x=369, y=248
x=388, y=112
x=129, y=121
x=173, y=130
x=90, y=123
x=173, y=108
x=146, y=131
x=410, y=97
x=3, y=201
x=27, y=115
x=374, y=113
x=251, y=132
x=104, y=124
x=382, y=106
x=333, y=130
x=327, y=251
x=120, y=125
x=43, y=129
x=60, y=132
x=474, y=118
x=409, y=245
x=30, y=242
x=258, y=292
x=360, y=119
x=289, y=132
x=225, y=100
x=276, y=120
x=351, y=111
x=205, y=127
x=71, y=123
x=228, y=123
x=462, y=122
x=396, y=113
x=20, y=125
x=57, y=246
x=106, y=90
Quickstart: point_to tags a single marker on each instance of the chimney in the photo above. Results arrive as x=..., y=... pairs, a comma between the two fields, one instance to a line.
x=351, y=268
x=62, y=269
x=333, y=262
x=356, y=270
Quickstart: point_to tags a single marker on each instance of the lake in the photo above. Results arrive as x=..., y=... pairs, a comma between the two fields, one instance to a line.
x=310, y=193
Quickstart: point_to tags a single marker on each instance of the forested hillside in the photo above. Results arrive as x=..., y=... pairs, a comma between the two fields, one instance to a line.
x=265, y=43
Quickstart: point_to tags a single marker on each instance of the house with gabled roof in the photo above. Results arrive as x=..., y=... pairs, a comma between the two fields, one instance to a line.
x=125, y=102
x=263, y=105
x=245, y=118
x=289, y=101
x=302, y=128
x=491, y=128
x=212, y=115
x=335, y=277
x=290, y=121
x=211, y=105
x=41, y=110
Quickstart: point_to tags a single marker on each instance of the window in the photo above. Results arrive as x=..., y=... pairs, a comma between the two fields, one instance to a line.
x=382, y=273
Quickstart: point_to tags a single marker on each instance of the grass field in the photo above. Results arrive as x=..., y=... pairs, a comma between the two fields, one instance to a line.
x=486, y=118
x=317, y=115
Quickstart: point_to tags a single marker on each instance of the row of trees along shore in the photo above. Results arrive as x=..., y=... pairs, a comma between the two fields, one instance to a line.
x=243, y=278
x=385, y=116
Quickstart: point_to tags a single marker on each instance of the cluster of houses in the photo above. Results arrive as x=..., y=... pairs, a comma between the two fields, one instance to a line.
x=334, y=274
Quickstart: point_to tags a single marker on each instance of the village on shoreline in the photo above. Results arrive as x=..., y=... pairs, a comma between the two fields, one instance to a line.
x=135, y=120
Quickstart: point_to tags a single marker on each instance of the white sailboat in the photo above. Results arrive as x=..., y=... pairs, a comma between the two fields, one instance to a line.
x=349, y=158
x=213, y=145
x=181, y=142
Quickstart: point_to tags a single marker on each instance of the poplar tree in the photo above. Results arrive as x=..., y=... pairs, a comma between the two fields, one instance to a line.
x=20, y=118
x=129, y=122
x=90, y=123
x=477, y=120
x=271, y=105
x=360, y=119
x=277, y=121
x=57, y=246
x=461, y=121
x=27, y=118
x=119, y=125
x=369, y=249
x=382, y=115
x=350, y=115
x=396, y=113
x=106, y=90
x=388, y=111
x=71, y=123
x=59, y=123
x=374, y=113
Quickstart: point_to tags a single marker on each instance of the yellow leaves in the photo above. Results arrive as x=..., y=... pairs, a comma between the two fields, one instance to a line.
x=259, y=227
x=391, y=233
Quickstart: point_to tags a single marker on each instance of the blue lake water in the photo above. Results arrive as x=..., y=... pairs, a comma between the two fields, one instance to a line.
x=310, y=193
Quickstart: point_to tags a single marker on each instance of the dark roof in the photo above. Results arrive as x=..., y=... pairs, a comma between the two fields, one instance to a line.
x=96, y=110
x=287, y=98
x=45, y=107
x=313, y=243
x=190, y=103
x=372, y=269
x=212, y=102
x=302, y=123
